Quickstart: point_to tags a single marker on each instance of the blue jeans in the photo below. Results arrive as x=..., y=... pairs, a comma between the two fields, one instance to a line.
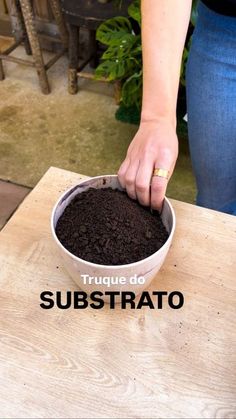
x=211, y=103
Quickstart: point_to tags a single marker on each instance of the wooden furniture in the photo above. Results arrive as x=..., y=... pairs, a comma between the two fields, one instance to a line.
x=88, y=14
x=31, y=41
x=5, y=26
x=117, y=363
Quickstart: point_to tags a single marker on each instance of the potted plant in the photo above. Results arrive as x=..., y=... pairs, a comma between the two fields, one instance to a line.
x=122, y=60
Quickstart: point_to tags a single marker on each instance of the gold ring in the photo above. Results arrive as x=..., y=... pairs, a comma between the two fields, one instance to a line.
x=161, y=173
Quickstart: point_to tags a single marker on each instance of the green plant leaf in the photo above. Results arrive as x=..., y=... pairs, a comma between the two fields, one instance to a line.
x=104, y=69
x=122, y=59
x=194, y=12
x=137, y=51
x=184, y=62
x=115, y=69
x=183, y=66
x=112, y=30
x=134, y=11
x=125, y=48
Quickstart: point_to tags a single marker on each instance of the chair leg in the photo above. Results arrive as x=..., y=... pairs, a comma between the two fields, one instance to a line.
x=56, y=9
x=73, y=59
x=23, y=28
x=93, y=48
x=27, y=12
x=2, y=75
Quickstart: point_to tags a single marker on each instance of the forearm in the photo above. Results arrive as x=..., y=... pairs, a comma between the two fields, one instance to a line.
x=164, y=28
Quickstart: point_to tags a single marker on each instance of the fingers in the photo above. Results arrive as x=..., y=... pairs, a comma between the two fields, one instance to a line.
x=159, y=184
x=143, y=180
x=136, y=172
x=158, y=191
x=127, y=176
x=137, y=177
x=122, y=171
x=130, y=179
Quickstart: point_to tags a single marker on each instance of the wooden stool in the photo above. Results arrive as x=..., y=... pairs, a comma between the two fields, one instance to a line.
x=88, y=14
x=31, y=42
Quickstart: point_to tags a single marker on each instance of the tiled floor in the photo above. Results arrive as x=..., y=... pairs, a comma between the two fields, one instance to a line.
x=11, y=196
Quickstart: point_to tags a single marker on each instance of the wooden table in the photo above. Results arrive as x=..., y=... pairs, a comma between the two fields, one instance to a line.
x=117, y=363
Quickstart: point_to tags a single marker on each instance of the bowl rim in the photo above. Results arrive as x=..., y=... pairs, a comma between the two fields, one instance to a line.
x=97, y=265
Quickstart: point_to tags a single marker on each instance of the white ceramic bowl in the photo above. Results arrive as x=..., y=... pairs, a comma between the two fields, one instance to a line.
x=76, y=267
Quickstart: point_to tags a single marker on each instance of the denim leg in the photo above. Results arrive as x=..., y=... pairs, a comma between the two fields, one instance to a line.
x=211, y=101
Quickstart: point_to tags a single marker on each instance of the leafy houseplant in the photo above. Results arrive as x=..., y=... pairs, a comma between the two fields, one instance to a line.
x=122, y=59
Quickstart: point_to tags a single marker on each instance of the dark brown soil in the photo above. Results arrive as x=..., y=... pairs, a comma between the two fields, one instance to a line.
x=105, y=226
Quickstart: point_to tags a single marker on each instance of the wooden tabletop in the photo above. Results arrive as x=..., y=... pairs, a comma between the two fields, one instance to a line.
x=117, y=363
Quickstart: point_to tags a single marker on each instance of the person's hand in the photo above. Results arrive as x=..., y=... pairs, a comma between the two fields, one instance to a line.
x=154, y=146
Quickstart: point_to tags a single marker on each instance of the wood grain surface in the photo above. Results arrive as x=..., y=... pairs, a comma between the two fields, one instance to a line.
x=117, y=363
